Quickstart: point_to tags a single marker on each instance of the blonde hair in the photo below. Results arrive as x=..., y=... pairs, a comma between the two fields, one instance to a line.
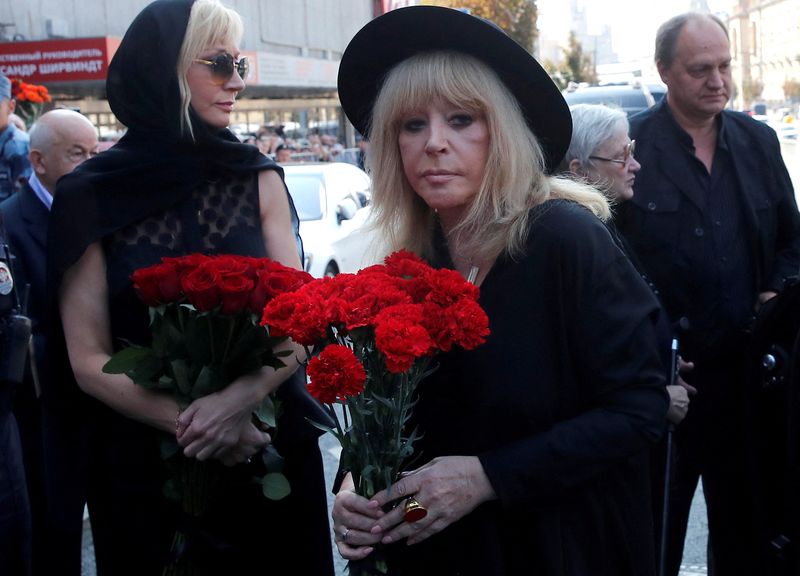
x=210, y=23
x=514, y=180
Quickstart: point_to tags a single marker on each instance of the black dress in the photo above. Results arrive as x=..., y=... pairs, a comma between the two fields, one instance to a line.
x=561, y=405
x=132, y=521
x=164, y=189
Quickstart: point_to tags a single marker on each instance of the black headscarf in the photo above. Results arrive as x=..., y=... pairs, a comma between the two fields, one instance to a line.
x=155, y=164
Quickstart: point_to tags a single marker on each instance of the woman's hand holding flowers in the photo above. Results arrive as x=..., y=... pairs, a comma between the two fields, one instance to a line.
x=251, y=442
x=354, y=518
x=220, y=425
x=449, y=487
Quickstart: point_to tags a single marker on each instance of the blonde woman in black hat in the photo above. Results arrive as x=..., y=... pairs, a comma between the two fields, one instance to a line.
x=533, y=449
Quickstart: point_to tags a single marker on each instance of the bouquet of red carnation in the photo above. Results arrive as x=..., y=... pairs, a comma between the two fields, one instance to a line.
x=30, y=99
x=204, y=318
x=378, y=331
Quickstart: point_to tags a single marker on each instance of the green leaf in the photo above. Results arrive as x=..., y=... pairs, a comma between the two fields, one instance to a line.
x=166, y=382
x=169, y=448
x=126, y=359
x=180, y=369
x=324, y=428
x=275, y=486
x=267, y=412
x=273, y=461
x=208, y=382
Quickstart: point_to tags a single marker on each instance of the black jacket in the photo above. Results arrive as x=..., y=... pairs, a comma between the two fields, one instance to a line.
x=25, y=218
x=664, y=221
x=560, y=404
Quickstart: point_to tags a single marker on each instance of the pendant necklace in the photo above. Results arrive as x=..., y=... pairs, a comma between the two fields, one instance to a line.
x=472, y=276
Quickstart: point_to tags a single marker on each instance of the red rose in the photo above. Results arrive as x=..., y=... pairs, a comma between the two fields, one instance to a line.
x=200, y=287
x=229, y=265
x=185, y=264
x=335, y=374
x=157, y=284
x=235, y=293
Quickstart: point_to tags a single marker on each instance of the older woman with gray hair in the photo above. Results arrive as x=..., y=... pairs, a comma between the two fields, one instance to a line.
x=601, y=153
x=600, y=150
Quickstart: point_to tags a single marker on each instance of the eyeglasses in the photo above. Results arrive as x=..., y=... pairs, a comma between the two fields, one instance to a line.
x=223, y=65
x=626, y=155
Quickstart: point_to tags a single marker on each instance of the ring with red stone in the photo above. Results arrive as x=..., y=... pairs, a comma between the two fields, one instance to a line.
x=414, y=510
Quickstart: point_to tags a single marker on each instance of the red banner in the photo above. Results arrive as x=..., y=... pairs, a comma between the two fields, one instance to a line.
x=58, y=60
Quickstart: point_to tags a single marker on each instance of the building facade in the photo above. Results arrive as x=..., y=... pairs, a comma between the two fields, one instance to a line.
x=765, y=41
x=294, y=45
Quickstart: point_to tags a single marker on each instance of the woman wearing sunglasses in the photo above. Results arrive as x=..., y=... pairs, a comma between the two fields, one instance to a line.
x=178, y=182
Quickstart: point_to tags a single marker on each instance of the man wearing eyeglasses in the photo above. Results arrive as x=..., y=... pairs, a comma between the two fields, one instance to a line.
x=714, y=223
x=60, y=140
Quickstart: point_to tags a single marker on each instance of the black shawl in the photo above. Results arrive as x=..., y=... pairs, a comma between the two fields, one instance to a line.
x=152, y=167
x=155, y=164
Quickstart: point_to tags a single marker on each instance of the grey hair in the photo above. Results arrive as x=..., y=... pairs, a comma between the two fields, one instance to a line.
x=668, y=32
x=592, y=125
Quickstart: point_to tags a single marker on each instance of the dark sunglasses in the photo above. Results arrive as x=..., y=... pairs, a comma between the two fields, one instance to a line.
x=222, y=67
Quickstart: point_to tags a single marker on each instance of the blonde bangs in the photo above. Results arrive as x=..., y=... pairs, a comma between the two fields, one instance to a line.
x=514, y=180
x=210, y=23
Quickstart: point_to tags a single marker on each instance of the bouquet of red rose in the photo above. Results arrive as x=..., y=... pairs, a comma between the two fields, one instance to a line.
x=378, y=331
x=204, y=319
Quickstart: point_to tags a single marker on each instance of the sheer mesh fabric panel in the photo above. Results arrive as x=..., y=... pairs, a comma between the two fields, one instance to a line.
x=205, y=218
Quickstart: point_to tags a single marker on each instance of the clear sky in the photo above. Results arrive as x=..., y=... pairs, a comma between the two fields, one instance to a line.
x=633, y=23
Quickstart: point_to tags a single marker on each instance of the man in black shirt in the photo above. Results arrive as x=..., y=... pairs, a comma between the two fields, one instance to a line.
x=715, y=224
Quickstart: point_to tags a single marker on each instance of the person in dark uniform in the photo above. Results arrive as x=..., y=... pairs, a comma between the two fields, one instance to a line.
x=179, y=182
x=14, y=164
x=15, y=514
x=715, y=225
x=60, y=141
x=533, y=448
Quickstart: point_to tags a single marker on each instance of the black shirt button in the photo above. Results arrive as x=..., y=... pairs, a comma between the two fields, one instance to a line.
x=651, y=206
x=699, y=231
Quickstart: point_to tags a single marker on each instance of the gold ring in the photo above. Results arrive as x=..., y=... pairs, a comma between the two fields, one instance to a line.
x=414, y=510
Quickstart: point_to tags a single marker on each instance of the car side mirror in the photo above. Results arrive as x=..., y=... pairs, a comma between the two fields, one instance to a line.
x=346, y=209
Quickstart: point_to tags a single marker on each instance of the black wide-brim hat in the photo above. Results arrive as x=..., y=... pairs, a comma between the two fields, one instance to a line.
x=397, y=35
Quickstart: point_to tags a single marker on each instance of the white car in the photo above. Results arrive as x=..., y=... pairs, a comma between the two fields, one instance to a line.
x=332, y=200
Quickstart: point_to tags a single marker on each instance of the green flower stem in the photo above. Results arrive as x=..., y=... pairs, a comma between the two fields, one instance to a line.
x=231, y=326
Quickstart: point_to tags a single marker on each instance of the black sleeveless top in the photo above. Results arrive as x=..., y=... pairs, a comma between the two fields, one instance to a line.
x=220, y=217
x=126, y=498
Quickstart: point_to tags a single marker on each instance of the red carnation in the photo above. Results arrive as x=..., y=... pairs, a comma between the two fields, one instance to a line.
x=296, y=315
x=448, y=287
x=400, y=335
x=335, y=374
